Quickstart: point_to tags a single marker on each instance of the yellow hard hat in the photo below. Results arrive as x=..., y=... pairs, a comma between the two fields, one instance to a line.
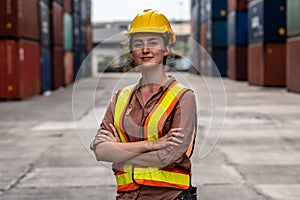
x=151, y=21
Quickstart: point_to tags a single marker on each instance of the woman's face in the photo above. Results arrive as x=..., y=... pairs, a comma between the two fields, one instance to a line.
x=148, y=49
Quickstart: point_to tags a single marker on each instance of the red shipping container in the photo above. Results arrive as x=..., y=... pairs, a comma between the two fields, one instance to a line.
x=89, y=42
x=237, y=62
x=57, y=67
x=19, y=19
x=293, y=64
x=68, y=68
x=267, y=64
x=57, y=23
x=238, y=5
x=203, y=61
x=68, y=6
x=20, y=67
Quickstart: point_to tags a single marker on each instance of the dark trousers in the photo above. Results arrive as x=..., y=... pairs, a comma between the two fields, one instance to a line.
x=190, y=194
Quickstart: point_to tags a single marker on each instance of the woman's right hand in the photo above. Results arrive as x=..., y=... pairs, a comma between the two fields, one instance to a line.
x=172, y=139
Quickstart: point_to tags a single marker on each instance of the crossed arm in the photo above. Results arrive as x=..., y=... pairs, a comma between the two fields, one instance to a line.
x=107, y=147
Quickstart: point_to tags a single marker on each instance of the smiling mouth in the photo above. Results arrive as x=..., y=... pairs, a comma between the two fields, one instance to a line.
x=146, y=58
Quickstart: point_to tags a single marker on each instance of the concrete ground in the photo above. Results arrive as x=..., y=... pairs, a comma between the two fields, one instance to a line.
x=247, y=145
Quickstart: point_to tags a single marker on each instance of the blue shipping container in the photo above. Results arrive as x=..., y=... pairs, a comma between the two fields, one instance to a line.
x=76, y=31
x=219, y=57
x=45, y=69
x=219, y=36
x=237, y=28
x=205, y=10
x=219, y=9
x=267, y=21
x=44, y=24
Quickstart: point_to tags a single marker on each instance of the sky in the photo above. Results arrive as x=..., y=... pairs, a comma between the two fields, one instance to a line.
x=126, y=10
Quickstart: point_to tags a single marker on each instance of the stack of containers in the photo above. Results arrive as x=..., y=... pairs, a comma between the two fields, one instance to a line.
x=293, y=46
x=237, y=39
x=68, y=42
x=195, y=34
x=57, y=39
x=82, y=32
x=267, y=37
x=204, y=10
x=19, y=49
x=45, y=58
x=214, y=24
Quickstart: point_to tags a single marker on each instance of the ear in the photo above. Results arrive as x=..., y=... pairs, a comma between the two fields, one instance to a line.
x=167, y=50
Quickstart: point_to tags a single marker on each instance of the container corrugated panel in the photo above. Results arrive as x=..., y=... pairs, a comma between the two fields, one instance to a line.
x=57, y=23
x=2, y=70
x=61, y=2
x=219, y=56
x=44, y=24
x=76, y=6
x=219, y=37
x=68, y=68
x=267, y=21
x=237, y=62
x=57, y=67
x=219, y=9
x=68, y=6
x=82, y=36
x=89, y=11
x=293, y=64
x=19, y=19
x=89, y=39
x=205, y=10
x=79, y=69
x=21, y=68
x=76, y=32
x=83, y=12
x=68, y=32
x=237, y=28
x=267, y=64
x=45, y=69
x=208, y=34
x=293, y=18
x=237, y=5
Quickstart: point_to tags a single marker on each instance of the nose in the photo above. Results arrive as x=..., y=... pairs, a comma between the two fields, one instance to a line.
x=145, y=49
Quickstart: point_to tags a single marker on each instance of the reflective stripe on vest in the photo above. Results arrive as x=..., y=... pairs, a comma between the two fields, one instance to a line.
x=151, y=176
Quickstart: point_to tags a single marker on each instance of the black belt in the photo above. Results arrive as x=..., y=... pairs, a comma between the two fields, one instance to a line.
x=190, y=194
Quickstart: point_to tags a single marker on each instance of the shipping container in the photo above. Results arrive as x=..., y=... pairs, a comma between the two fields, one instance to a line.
x=219, y=33
x=57, y=24
x=82, y=37
x=267, y=21
x=20, y=67
x=219, y=9
x=68, y=6
x=237, y=62
x=267, y=64
x=293, y=18
x=293, y=64
x=205, y=10
x=76, y=32
x=61, y=2
x=76, y=6
x=83, y=13
x=237, y=28
x=68, y=68
x=219, y=65
x=89, y=38
x=57, y=68
x=45, y=69
x=44, y=24
x=19, y=19
x=89, y=11
x=68, y=32
x=79, y=69
x=237, y=5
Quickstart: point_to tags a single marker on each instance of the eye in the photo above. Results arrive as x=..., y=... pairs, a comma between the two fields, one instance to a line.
x=137, y=45
x=153, y=43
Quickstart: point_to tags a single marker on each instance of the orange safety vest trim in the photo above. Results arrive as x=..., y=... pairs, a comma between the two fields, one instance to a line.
x=131, y=177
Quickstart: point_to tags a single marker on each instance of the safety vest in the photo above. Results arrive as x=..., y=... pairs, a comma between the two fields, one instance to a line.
x=130, y=177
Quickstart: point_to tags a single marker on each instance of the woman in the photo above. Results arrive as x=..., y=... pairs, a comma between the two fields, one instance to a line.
x=148, y=129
